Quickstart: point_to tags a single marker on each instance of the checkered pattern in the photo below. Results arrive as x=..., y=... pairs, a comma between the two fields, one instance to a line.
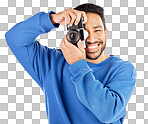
x=21, y=99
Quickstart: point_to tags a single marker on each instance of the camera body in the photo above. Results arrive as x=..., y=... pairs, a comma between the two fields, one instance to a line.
x=76, y=33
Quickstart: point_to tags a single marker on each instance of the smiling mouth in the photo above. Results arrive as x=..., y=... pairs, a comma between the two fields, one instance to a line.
x=92, y=48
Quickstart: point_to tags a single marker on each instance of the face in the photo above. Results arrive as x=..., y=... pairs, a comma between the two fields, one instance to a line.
x=97, y=36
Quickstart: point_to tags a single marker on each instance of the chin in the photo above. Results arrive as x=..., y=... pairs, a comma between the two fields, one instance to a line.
x=93, y=57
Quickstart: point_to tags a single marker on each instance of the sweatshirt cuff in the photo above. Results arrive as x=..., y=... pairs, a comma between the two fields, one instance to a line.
x=46, y=22
x=79, y=65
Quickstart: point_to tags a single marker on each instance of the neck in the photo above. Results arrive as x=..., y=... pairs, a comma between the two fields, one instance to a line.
x=99, y=60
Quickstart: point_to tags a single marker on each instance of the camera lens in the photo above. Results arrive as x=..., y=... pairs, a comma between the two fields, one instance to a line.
x=73, y=36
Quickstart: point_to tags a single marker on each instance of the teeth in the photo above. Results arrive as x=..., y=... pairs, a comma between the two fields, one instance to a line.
x=92, y=47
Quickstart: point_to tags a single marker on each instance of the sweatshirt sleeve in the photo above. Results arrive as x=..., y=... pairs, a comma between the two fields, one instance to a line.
x=106, y=102
x=34, y=57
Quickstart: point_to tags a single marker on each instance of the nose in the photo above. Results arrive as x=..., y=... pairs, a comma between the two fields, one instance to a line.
x=90, y=38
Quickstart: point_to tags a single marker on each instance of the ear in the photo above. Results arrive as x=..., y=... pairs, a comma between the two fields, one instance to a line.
x=106, y=33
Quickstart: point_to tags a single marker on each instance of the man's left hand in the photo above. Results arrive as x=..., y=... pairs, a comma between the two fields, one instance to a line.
x=72, y=53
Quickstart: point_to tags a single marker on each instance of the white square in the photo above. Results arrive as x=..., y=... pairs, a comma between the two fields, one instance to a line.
x=52, y=34
x=11, y=121
x=4, y=51
x=131, y=115
x=145, y=83
x=43, y=121
x=19, y=98
x=131, y=18
x=59, y=9
x=139, y=10
x=3, y=82
x=2, y=34
x=4, y=98
x=139, y=26
x=83, y=1
x=26, y=75
x=145, y=50
x=67, y=3
x=19, y=67
x=123, y=27
x=19, y=3
x=3, y=3
x=27, y=10
x=132, y=99
x=11, y=10
x=145, y=34
x=58, y=42
x=139, y=121
x=123, y=43
x=19, y=82
x=60, y=28
x=34, y=84
x=123, y=10
x=109, y=26
x=145, y=98
x=12, y=107
x=27, y=106
x=42, y=107
x=3, y=114
x=116, y=51
x=145, y=3
x=51, y=4
x=3, y=66
x=131, y=34
x=124, y=57
x=140, y=74
x=3, y=18
x=20, y=114
x=116, y=3
x=11, y=75
x=44, y=42
x=145, y=18
x=139, y=59
x=10, y=25
x=107, y=10
x=11, y=90
x=35, y=99
x=115, y=18
x=145, y=115
x=29, y=121
x=44, y=9
x=99, y=2
x=36, y=3
x=11, y=59
x=139, y=107
x=131, y=50
x=19, y=18
x=139, y=90
x=35, y=114
x=139, y=42
x=27, y=90
x=131, y=3
x=115, y=34
x=109, y=43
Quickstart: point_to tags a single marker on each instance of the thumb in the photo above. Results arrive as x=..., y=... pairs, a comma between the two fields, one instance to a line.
x=80, y=45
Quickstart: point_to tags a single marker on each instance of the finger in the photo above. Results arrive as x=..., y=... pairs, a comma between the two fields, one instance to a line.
x=82, y=13
x=73, y=18
x=80, y=46
x=78, y=18
x=67, y=18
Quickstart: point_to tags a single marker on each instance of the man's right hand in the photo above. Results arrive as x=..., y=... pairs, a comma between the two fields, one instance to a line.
x=71, y=16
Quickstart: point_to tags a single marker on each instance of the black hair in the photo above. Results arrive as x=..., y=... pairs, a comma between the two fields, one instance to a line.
x=92, y=8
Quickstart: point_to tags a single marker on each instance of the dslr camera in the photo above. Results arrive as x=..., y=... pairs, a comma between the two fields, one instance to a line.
x=76, y=33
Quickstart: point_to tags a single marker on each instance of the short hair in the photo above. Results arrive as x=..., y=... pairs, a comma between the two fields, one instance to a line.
x=92, y=8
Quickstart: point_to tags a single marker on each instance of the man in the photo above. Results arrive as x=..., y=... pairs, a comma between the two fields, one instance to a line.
x=81, y=85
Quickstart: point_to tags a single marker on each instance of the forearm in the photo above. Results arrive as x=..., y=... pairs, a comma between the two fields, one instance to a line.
x=25, y=32
x=105, y=102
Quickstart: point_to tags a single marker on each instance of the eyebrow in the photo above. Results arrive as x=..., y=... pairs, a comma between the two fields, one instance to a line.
x=99, y=26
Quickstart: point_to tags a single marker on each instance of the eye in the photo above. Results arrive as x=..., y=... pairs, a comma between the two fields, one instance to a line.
x=97, y=30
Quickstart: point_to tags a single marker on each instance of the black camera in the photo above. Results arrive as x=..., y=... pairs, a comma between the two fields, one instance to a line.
x=76, y=32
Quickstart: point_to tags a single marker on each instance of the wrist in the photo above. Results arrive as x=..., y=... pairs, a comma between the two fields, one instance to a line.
x=52, y=18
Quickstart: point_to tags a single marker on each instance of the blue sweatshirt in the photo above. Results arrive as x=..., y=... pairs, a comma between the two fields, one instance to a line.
x=81, y=93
